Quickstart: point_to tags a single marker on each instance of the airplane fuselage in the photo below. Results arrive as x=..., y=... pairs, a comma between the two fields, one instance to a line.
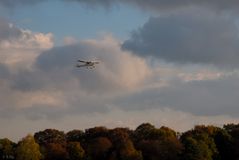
x=87, y=64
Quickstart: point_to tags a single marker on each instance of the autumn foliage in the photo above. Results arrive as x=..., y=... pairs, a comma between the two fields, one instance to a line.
x=146, y=142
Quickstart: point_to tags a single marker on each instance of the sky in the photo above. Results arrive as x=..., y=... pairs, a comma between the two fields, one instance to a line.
x=171, y=63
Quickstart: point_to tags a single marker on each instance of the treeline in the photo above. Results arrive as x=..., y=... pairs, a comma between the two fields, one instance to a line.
x=146, y=142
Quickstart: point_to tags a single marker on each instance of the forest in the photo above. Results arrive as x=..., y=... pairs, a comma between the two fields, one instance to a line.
x=146, y=142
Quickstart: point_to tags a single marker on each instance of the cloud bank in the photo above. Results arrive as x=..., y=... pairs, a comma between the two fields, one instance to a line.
x=156, y=5
x=44, y=83
x=202, y=38
x=48, y=85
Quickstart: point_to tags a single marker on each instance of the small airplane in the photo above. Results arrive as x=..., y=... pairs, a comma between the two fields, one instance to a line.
x=87, y=64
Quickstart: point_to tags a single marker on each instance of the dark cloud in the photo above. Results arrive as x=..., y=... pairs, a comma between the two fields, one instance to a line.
x=201, y=38
x=8, y=31
x=207, y=97
x=156, y=5
x=166, y=5
x=13, y=3
x=4, y=71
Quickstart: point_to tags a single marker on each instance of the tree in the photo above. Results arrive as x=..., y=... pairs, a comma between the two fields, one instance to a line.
x=223, y=141
x=52, y=143
x=96, y=143
x=202, y=139
x=99, y=148
x=28, y=149
x=196, y=150
x=75, y=135
x=233, y=131
x=143, y=132
x=123, y=146
x=75, y=151
x=55, y=151
x=7, y=149
x=92, y=133
x=156, y=143
x=50, y=136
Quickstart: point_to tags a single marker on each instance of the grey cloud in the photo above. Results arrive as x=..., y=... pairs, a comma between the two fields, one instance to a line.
x=108, y=76
x=7, y=31
x=4, y=71
x=61, y=57
x=166, y=5
x=157, y=5
x=13, y=3
x=201, y=38
x=54, y=87
x=208, y=97
x=60, y=64
x=26, y=81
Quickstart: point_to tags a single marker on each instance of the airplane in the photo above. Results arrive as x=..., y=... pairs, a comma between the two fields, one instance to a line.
x=87, y=64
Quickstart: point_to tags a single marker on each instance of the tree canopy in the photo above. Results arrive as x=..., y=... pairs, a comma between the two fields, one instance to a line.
x=146, y=142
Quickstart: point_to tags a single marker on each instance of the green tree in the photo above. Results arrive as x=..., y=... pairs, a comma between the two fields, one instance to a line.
x=196, y=150
x=202, y=138
x=143, y=131
x=28, y=149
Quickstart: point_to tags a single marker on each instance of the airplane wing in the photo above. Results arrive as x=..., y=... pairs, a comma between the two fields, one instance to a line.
x=81, y=66
x=82, y=61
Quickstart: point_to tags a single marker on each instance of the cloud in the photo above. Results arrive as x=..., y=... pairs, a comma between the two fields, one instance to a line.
x=8, y=31
x=117, y=69
x=20, y=47
x=13, y=3
x=202, y=38
x=179, y=121
x=155, y=5
x=14, y=37
x=199, y=97
x=52, y=86
x=165, y=5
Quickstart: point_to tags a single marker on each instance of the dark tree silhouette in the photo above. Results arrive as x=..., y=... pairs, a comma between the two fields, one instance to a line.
x=146, y=142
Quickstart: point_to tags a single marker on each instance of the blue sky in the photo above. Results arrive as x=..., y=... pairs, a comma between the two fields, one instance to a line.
x=164, y=62
x=81, y=21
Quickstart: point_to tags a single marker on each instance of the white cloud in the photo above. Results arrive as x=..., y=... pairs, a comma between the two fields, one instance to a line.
x=20, y=47
x=28, y=40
